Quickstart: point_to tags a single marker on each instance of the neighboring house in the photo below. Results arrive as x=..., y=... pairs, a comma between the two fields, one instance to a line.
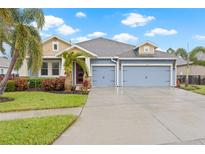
x=110, y=63
x=4, y=64
x=194, y=70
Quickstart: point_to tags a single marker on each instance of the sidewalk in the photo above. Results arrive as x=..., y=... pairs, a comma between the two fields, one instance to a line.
x=38, y=113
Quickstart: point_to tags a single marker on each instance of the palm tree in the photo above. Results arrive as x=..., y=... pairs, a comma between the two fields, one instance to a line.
x=70, y=58
x=23, y=37
x=6, y=15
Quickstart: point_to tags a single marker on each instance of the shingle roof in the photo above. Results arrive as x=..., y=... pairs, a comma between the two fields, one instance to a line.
x=104, y=47
x=4, y=62
x=181, y=61
x=157, y=54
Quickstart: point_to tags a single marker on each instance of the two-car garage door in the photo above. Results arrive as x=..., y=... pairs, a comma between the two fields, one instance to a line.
x=146, y=76
x=105, y=76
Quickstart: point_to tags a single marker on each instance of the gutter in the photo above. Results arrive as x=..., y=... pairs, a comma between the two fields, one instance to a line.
x=117, y=69
x=112, y=59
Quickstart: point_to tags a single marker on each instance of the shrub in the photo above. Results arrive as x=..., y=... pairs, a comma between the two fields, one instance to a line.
x=21, y=84
x=85, y=84
x=10, y=86
x=53, y=84
x=59, y=83
x=48, y=84
x=35, y=82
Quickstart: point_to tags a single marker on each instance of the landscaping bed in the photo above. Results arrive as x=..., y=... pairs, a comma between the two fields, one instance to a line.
x=40, y=100
x=39, y=130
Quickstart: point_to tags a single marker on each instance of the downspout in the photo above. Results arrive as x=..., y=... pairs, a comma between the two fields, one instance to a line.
x=117, y=68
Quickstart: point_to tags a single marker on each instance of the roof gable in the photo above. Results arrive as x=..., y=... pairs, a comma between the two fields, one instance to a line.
x=146, y=42
x=77, y=47
x=57, y=37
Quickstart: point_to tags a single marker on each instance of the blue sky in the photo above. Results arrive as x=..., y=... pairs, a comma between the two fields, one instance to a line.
x=166, y=27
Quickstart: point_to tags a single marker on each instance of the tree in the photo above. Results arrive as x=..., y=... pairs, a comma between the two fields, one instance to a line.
x=170, y=51
x=6, y=15
x=182, y=53
x=70, y=58
x=194, y=55
x=185, y=55
x=17, y=30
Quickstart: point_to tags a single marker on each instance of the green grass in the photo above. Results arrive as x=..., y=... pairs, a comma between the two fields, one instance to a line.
x=40, y=130
x=41, y=100
x=195, y=88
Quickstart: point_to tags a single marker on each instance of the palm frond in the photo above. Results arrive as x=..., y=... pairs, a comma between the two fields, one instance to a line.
x=34, y=15
x=34, y=50
x=6, y=15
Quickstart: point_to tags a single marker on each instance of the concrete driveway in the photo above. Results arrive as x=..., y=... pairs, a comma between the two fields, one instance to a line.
x=139, y=116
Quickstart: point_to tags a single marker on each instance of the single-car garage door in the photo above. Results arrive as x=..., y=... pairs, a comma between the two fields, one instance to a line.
x=103, y=76
x=146, y=76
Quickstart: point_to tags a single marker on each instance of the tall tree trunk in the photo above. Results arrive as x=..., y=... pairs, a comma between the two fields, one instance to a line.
x=8, y=73
x=68, y=82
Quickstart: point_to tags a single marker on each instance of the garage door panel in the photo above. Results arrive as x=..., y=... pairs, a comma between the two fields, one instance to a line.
x=103, y=76
x=146, y=75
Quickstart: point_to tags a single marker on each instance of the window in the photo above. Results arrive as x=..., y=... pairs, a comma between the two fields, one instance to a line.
x=55, y=68
x=146, y=49
x=55, y=46
x=44, y=69
x=2, y=71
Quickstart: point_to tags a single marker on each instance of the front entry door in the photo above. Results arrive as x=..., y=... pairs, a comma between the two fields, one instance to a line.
x=79, y=74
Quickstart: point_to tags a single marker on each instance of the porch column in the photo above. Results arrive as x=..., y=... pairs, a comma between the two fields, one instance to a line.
x=87, y=61
x=62, y=67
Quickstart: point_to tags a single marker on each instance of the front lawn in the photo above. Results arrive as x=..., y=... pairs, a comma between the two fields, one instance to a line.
x=40, y=130
x=41, y=100
x=195, y=88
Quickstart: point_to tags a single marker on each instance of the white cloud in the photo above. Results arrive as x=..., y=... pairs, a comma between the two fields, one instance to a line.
x=66, y=30
x=80, y=39
x=52, y=21
x=42, y=34
x=160, y=31
x=199, y=37
x=89, y=36
x=124, y=37
x=97, y=34
x=135, y=19
x=80, y=14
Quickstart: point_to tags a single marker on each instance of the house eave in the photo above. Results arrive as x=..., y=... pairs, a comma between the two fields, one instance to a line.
x=147, y=58
x=76, y=46
x=53, y=36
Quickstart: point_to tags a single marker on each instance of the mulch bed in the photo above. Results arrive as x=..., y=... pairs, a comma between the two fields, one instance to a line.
x=5, y=99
